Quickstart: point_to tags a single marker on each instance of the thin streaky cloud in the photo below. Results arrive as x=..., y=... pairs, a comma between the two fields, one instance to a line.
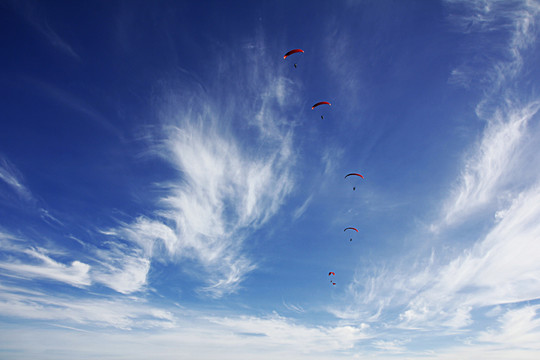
x=227, y=192
x=489, y=165
x=302, y=208
x=13, y=178
x=69, y=328
x=195, y=336
x=195, y=254
x=484, y=17
x=75, y=274
x=391, y=346
x=75, y=103
x=500, y=269
x=52, y=36
x=31, y=13
x=492, y=163
x=293, y=307
x=48, y=218
x=121, y=313
x=284, y=331
x=82, y=243
x=227, y=187
x=121, y=268
x=517, y=328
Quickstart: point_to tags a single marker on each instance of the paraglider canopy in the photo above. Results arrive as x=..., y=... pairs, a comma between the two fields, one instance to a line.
x=320, y=103
x=293, y=51
x=353, y=174
x=331, y=273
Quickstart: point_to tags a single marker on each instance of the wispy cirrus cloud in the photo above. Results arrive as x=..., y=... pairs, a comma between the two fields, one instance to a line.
x=513, y=25
x=518, y=328
x=114, y=265
x=180, y=335
x=513, y=336
x=490, y=170
x=227, y=185
x=31, y=13
x=75, y=103
x=490, y=167
x=13, y=178
x=446, y=293
x=298, y=338
x=121, y=268
x=500, y=269
x=121, y=313
x=31, y=263
x=293, y=307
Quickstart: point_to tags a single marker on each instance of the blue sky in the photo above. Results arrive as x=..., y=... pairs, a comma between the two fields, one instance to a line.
x=166, y=190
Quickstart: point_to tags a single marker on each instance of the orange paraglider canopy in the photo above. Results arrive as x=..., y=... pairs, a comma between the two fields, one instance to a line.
x=320, y=103
x=354, y=174
x=294, y=51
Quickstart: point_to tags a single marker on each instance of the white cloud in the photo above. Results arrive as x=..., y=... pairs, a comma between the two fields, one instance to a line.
x=519, y=328
x=501, y=268
x=190, y=337
x=121, y=267
x=224, y=192
x=293, y=307
x=283, y=332
x=40, y=265
x=391, y=346
x=12, y=177
x=127, y=276
x=490, y=168
x=490, y=172
x=302, y=208
x=497, y=178
x=228, y=184
x=442, y=296
x=514, y=24
x=39, y=22
x=121, y=313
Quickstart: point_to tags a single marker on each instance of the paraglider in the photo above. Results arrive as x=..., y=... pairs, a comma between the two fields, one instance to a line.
x=355, y=174
x=321, y=103
x=351, y=228
x=332, y=279
x=293, y=51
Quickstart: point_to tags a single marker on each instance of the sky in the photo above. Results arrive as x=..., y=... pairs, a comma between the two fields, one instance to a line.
x=168, y=192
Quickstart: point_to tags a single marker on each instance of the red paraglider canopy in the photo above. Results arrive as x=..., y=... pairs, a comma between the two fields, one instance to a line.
x=354, y=174
x=320, y=103
x=294, y=51
x=331, y=273
x=351, y=229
